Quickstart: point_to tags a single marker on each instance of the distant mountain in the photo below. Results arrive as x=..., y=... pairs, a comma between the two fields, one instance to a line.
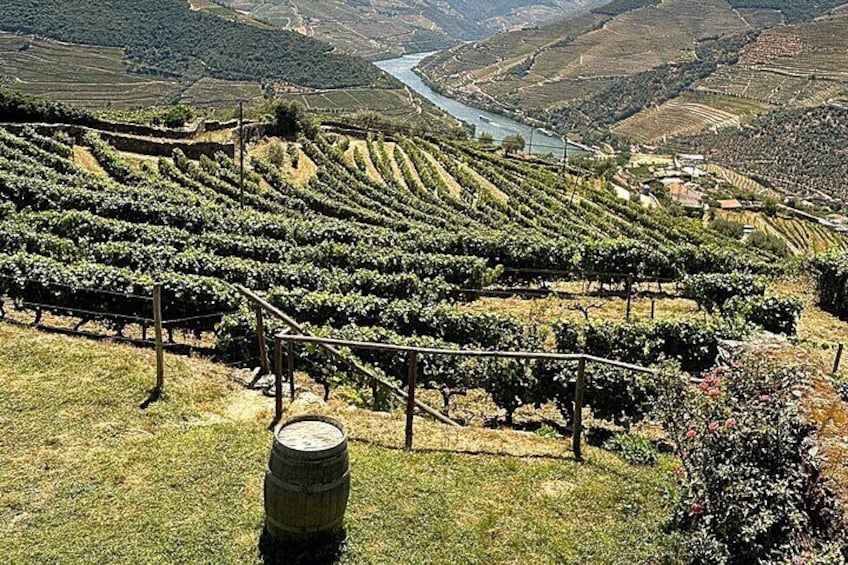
x=380, y=28
x=168, y=38
x=597, y=69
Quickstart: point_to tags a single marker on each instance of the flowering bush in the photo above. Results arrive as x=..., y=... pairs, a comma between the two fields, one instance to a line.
x=750, y=491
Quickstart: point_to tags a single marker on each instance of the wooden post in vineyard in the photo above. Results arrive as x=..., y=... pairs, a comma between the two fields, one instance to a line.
x=290, y=369
x=260, y=336
x=653, y=307
x=577, y=425
x=629, y=297
x=410, y=398
x=838, y=359
x=157, y=325
x=278, y=378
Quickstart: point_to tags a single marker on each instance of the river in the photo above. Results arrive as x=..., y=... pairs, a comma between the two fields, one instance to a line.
x=495, y=124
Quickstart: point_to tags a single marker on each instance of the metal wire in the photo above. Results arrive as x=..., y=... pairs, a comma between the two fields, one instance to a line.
x=85, y=312
x=79, y=288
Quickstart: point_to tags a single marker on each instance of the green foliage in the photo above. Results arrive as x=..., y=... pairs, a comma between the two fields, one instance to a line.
x=728, y=228
x=750, y=494
x=513, y=143
x=486, y=139
x=276, y=154
x=831, y=271
x=769, y=243
x=17, y=107
x=617, y=260
x=712, y=291
x=772, y=313
x=633, y=449
x=292, y=120
x=793, y=10
x=617, y=7
x=166, y=37
x=176, y=117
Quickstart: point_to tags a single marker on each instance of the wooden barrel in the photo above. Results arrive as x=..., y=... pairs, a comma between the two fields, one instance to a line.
x=308, y=478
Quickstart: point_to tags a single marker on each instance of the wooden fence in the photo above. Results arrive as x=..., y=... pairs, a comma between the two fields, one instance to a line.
x=413, y=354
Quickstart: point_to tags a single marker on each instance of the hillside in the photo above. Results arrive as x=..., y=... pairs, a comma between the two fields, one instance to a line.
x=165, y=38
x=382, y=28
x=796, y=151
x=597, y=70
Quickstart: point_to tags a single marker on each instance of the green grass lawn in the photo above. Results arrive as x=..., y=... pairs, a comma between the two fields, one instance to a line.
x=88, y=476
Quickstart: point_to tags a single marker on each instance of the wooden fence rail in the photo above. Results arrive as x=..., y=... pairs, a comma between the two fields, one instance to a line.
x=352, y=364
x=413, y=354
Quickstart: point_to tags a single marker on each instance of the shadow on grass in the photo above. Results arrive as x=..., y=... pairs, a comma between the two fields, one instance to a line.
x=154, y=395
x=325, y=551
x=462, y=451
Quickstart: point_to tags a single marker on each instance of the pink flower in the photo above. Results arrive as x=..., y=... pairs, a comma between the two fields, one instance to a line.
x=690, y=434
x=697, y=508
x=678, y=470
x=713, y=426
x=730, y=422
x=720, y=370
x=765, y=398
x=714, y=392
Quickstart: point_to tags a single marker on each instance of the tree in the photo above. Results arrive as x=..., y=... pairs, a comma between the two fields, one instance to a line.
x=486, y=138
x=513, y=143
x=291, y=120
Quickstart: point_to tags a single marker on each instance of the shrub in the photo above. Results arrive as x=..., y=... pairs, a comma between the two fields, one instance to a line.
x=831, y=270
x=769, y=243
x=772, y=313
x=729, y=228
x=712, y=291
x=749, y=490
x=276, y=154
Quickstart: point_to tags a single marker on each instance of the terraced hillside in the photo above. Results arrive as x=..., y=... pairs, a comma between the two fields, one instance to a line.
x=797, y=151
x=800, y=65
x=413, y=219
x=167, y=38
x=605, y=70
x=561, y=63
x=383, y=28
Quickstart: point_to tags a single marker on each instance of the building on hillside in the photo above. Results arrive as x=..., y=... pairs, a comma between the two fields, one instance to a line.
x=730, y=204
x=837, y=219
x=686, y=195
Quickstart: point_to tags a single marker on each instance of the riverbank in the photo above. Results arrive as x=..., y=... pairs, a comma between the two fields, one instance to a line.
x=496, y=124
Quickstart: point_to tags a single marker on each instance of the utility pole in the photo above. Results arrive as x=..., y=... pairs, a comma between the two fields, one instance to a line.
x=241, y=154
x=564, y=154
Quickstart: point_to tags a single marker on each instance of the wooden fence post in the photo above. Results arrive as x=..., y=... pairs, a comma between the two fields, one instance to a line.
x=260, y=336
x=629, y=297
x=838, y=359
x=157, y=324
x=653, y=307
x=290, y=369
x=278, y=378
x=410, y=398
x=577, y=426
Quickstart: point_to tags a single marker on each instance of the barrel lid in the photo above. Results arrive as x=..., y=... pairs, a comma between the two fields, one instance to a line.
x=310, y=434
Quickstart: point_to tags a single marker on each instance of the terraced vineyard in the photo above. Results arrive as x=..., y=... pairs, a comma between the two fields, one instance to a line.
x=805, y=64
x=803, y=237
x=378, y=229
x=679, y=116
